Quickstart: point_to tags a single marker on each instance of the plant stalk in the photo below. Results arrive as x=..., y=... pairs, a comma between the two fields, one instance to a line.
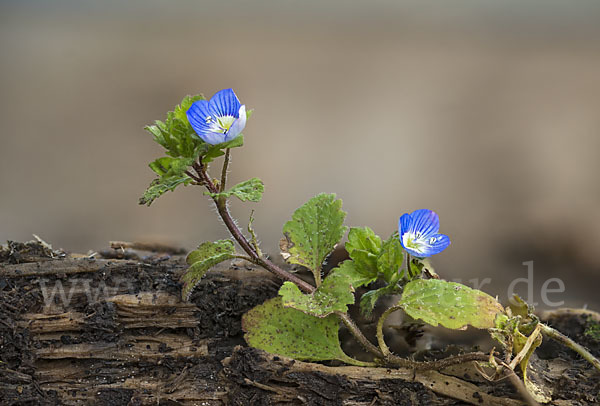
x=224, y=170
x=563, y=339
x=380, y=339
x=364, y=341
x=236, y=233
x=317, y=275
x=191, y=175
x=392, y=359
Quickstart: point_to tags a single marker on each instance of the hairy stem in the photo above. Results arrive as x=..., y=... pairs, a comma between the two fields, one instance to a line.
x=191, y=175
x=360, y=337
x=392, y=359
x=253, y=240
x=380, y=339
x=437, y=364
x=237, y=234
x=245, y=258
x=563, y=339
x=352, y=361
x=317, y=275
x=462, y=359
x=224, y=170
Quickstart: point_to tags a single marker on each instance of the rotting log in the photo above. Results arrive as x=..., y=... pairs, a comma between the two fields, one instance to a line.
x=80, y=330
x=291, y=380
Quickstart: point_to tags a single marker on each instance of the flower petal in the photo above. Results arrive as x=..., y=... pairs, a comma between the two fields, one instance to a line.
x=238, y=125
x=404, y=224
x=427, y=247
x=424, y=221
x=442, y=242
x=419, y=233
x=213, y=138
x=225, y=103
x=197, y=114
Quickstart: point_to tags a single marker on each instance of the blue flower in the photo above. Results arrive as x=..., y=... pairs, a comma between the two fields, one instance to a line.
x=419, y=233
x=219, y=120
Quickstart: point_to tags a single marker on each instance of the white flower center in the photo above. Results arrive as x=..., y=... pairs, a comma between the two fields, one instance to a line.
x=415, y=241
x=220, y=124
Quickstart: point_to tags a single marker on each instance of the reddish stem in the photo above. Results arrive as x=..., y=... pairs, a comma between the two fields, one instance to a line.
x=237, y=234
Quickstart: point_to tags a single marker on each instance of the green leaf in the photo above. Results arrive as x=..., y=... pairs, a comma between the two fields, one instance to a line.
x=334, y=294
x=416, y=268
x=363, y=247
x=210, y=152
x=390, y=259
x=503, y=326
x=176, y=134
x=519, y=307
x=167, y=166
x=180, y=112
x=291, y=333
x=251, y=189
x=161, y=165
x=363, y=239
x=357, y=276
x=369, y=299
x=419, y=266
x=450, y=304
x=207, y=255
x=171, y=172
x=160, y=186
x=314, y=231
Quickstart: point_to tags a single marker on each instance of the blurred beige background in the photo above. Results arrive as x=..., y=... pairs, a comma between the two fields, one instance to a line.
x=486, y=112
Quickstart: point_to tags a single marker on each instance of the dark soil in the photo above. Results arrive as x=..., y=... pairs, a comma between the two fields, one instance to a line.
x=117, y=333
